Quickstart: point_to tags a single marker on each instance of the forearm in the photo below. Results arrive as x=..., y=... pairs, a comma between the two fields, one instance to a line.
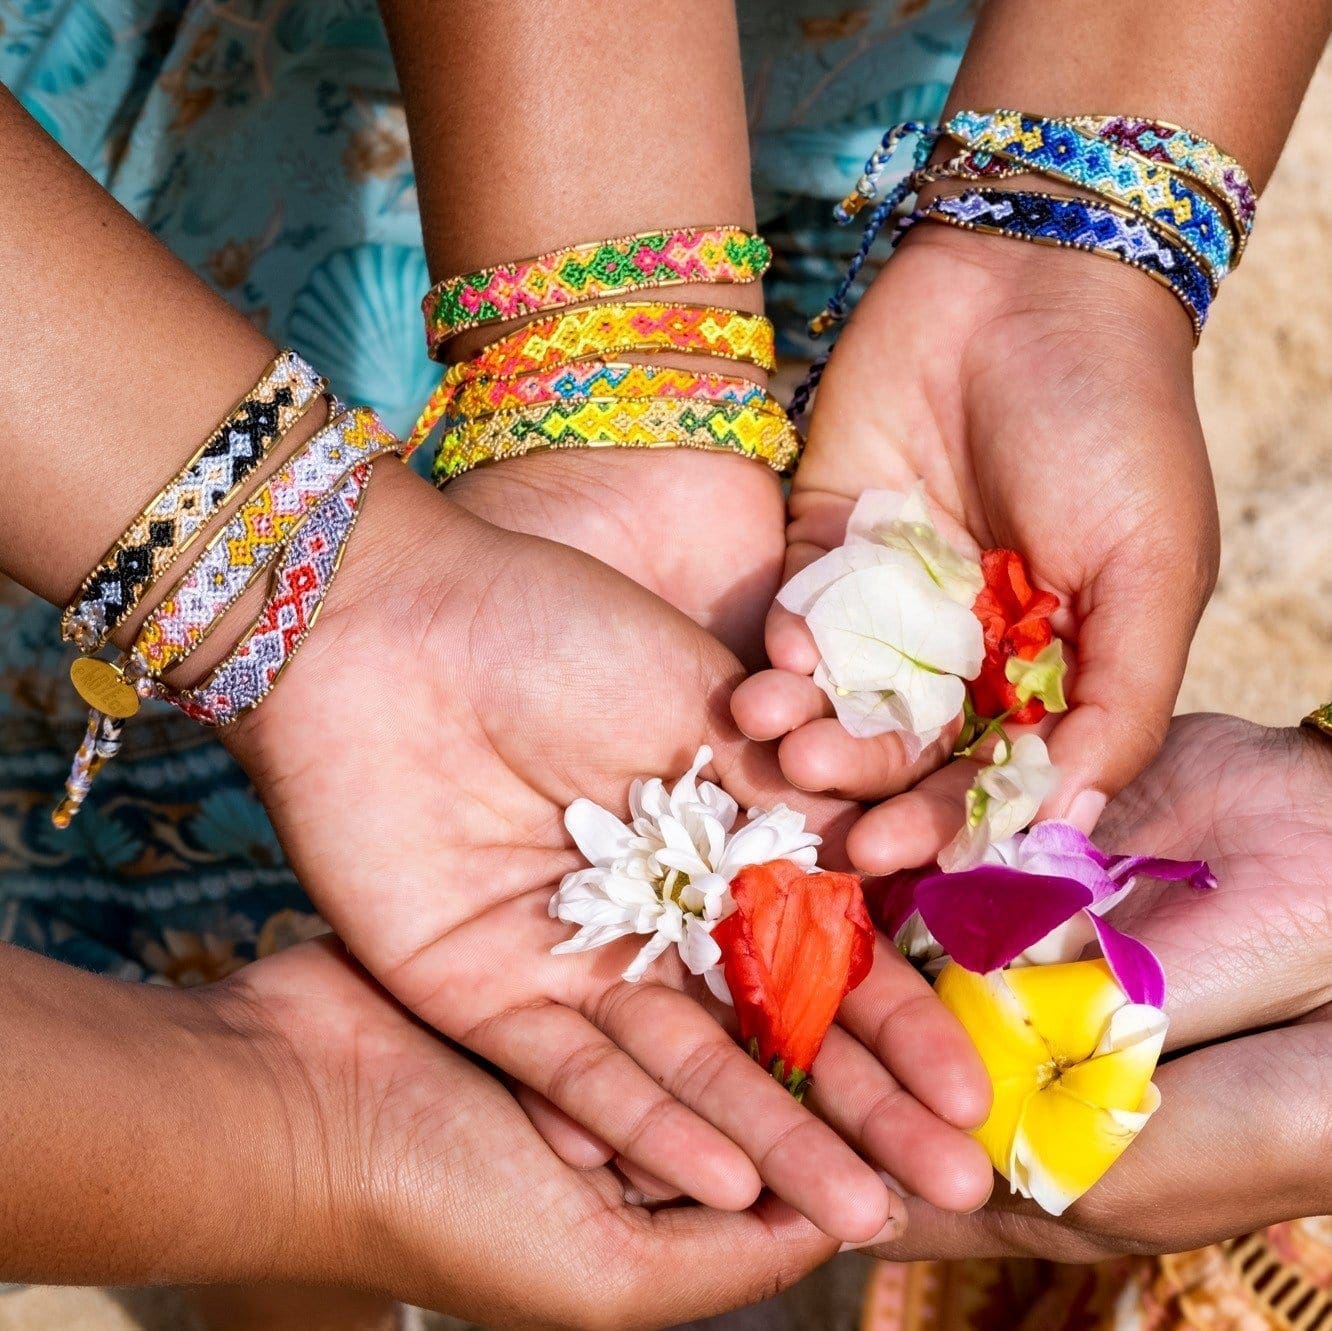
x=140, y=1139
x=536, y=125
x=1232, y=71
x=115, y=362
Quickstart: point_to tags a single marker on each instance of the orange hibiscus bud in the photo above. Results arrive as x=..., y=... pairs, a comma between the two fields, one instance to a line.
x=1015, y=619
x=795, y=946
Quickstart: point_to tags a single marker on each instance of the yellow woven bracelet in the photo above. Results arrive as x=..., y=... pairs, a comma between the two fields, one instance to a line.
x=761, y=432
x=600, y=331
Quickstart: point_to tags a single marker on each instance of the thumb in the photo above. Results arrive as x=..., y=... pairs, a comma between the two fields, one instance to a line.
x=1132, y=646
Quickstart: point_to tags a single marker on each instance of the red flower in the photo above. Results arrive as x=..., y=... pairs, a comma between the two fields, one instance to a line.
x=795, y=946
x=1015, y=618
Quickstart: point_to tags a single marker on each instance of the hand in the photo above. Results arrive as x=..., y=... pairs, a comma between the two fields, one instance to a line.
x=465, y=685
x=704, y=531
x=1243, y=1134
x=411, y=1172
x=1045, y=400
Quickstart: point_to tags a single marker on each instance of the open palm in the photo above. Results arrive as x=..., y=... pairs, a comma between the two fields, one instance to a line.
x=1241, y=1137
x=416, y=764
x=1044, y=399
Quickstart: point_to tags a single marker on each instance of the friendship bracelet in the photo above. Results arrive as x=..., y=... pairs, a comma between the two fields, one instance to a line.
x=230, y=562
x=482, y=397
x=1320, y=719
x=1189, y=155
x=591, y=272
x=647, y=422
x=1150, y=189
x=255, y=535
x=300, y=584
x=169, y=524
x=1047, y=219
x=304, y=514
x=251, y=670
x=600, y=331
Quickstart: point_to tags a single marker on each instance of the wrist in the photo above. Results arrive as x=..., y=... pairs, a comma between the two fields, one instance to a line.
x=1086, y=296
x=144, y=1142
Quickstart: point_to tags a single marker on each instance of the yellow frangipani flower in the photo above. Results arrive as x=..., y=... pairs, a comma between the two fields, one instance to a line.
x=1071, y=1061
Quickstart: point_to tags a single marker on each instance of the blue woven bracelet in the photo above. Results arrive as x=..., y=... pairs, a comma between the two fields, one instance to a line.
x=1151, y=189
x=1048, y=219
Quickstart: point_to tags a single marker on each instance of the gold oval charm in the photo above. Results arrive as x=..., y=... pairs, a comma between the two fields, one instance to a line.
x=102, y=686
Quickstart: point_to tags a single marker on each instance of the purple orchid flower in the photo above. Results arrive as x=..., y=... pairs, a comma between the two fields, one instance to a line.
x=1053, y=882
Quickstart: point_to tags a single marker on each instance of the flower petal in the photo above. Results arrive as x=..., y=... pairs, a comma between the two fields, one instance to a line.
x=1065, y=1145
x=716, y=982
x=1197, y=873
x=647, y=954
x=868, y=712
x=699, y=951
x=1008, y=1044
x=778, y=834
x=1060, y=849
x=799, y=595
x=1069, y=1004
x=591, y=936
x=881, y=628
x=1134, y=964
x=599, y=835
x=986, y=916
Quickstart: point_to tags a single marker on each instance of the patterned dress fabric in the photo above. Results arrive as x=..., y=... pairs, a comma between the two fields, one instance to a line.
x=264, y=142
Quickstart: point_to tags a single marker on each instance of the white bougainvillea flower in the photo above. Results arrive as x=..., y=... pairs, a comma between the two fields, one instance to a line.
x=891, y=614
x=667, y=873
x=889, y=630
x=1002, y=801
x=882, y=524
x=1071, y=1062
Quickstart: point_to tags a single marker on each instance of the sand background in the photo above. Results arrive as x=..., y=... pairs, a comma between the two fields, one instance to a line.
x=1264, y=649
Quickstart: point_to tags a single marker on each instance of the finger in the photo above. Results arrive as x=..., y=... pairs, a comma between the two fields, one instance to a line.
x=786, y=637
x=824, y=756
x=869, y=1108
x=572, y=1142
x=772, y=703
x=562, y=1056
x=798, y=1157
x=1227, y=1153
x=894, y=1013
x=911, y=829
x=1122, y=700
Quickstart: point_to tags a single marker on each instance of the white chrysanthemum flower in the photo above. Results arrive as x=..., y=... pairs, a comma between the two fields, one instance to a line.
x=668, y=872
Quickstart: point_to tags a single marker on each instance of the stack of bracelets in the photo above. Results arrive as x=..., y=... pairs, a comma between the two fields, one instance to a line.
x=553, y=383
x=296, y=523
x=1162, y=200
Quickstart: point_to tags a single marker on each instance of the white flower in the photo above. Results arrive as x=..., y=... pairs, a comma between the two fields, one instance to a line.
x=1001, y=802
x=885, y=523
x=668, y=873
x=891, y=614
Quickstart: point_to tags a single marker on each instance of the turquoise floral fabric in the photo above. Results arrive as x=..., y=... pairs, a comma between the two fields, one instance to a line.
x=264, y=142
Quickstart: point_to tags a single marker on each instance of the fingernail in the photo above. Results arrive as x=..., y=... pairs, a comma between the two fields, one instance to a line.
x=892, y=1183
x=1086, y=809
x=892, y=1230
x=633, y=1197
